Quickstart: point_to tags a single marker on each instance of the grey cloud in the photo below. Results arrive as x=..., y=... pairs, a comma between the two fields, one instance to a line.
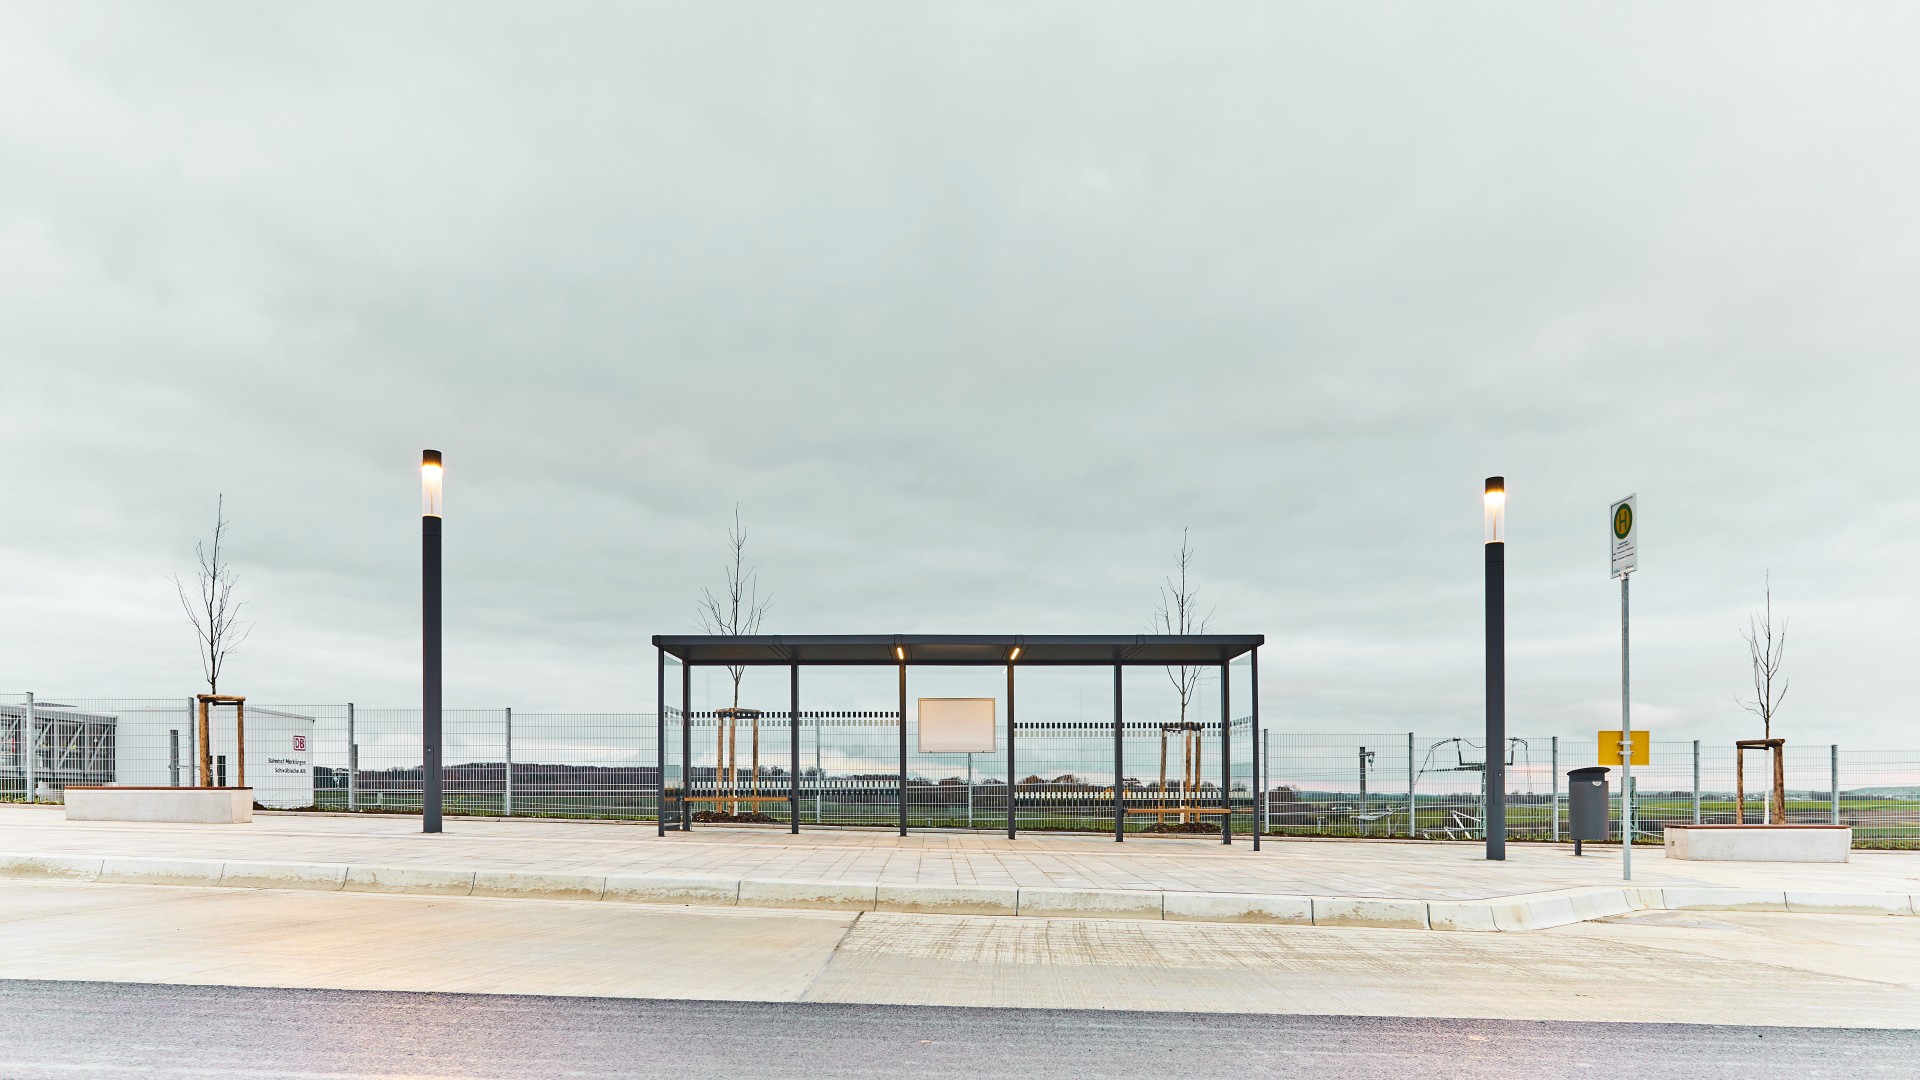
x=972, y=307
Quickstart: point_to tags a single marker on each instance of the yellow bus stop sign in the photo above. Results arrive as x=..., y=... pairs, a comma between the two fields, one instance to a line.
x=1610, y=748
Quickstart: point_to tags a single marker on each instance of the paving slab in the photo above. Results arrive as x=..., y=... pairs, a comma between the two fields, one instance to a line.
x=1407, y=885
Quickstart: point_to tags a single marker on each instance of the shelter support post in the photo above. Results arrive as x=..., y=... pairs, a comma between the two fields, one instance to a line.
x=793, y=749
x=1119, y=781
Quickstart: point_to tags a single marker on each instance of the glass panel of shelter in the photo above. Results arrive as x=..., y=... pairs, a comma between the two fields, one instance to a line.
x=850, y=772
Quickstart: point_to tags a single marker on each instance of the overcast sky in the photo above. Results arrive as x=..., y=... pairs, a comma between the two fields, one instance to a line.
x=971, y=308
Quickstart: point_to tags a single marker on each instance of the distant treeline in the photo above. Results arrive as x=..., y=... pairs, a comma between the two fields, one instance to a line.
x=548, y=779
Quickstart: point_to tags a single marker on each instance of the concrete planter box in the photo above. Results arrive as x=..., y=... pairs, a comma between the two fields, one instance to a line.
x=1759, y=843
x=211, y=806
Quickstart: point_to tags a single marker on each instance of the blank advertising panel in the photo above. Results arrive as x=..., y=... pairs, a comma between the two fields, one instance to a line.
x=957, y=725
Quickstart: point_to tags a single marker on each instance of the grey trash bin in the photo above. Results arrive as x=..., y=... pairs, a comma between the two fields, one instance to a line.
x=1588, y=809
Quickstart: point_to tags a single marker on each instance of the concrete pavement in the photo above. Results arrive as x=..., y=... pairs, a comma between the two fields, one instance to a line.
x=1736, y=967
x=1410, y=885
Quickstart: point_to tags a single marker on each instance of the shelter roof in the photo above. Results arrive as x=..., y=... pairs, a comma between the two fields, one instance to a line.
x=1054, y=650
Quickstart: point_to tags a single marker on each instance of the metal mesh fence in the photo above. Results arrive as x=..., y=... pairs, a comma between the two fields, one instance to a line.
x=498, y=762
x=602, y=766
x=1879, y=795
x=1316, y=787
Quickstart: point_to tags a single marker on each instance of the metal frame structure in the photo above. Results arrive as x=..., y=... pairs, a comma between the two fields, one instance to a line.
x=950, y=650
x=206, y=704
x=1776, y=813
x=55, y=744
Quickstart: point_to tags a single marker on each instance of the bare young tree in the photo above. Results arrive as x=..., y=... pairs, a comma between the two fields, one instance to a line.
x=211, y=606
x=1179, y=613
x=1766, y=651
x=738, y=611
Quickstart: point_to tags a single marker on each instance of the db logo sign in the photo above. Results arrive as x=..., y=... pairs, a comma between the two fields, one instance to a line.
x=300, y=744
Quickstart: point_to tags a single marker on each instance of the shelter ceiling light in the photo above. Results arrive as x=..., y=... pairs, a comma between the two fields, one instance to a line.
x=1014, y=655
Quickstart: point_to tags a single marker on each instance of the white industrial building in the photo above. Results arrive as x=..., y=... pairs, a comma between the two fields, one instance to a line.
x=156, y=746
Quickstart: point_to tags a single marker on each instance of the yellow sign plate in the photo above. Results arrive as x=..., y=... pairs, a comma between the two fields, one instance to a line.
x=1610, y=747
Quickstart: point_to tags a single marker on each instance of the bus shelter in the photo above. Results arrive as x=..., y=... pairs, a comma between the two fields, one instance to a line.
x=683, y=788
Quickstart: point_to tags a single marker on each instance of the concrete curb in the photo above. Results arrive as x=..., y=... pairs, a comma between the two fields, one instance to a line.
x=813, y=895
x=1723, y=900
x=703, y=892
x=538, y=886
x=317, y=877
x=1091, y=904
x=1237, y=908
x=949, y=900
x=1504, y=914
x=1374, y=912
x=409, y=880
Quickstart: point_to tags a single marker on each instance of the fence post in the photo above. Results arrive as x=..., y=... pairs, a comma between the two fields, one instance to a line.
x=1413, y=826
x=508, y=801
x=31, y=748
x=1266, y=780
x=1696, y=781
x=1555, y=766
x=353, y=762
x=1834, y=764
x=193, y=748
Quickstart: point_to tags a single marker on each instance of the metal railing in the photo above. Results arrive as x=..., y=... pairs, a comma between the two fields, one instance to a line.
x=531, y=763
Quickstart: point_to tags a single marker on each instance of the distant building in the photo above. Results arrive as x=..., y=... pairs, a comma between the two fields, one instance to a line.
x=155, y=745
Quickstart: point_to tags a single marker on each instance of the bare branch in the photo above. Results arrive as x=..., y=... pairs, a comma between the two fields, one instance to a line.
x=739, y=611
x=1766, y=655
x=211, y=606
x=1178, y=614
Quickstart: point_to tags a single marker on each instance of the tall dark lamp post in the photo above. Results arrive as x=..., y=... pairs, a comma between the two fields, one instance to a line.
x=430, y=478
x=1495, y=508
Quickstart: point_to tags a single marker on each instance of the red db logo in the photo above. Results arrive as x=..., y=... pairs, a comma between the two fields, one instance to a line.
x=299, y=743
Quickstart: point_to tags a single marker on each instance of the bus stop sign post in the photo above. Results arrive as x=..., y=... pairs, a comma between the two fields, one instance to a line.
x=1623, y=540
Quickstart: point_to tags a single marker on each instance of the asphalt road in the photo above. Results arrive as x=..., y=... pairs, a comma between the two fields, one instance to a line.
x=65, y=1029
